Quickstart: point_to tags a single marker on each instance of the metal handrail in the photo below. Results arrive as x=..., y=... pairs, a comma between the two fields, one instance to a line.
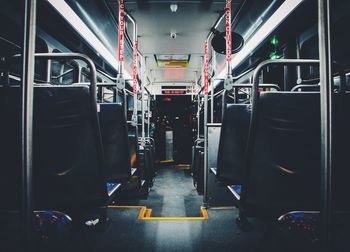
x=63, y=74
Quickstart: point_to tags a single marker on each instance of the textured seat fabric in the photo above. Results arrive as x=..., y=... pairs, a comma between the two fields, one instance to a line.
x=115, y=142
x=198, y=168
x=284, y=168
x=233, y=142
x=68, y=168
x=10, y=179
x=50, y=230
x=133, y=147
x=301, y=227
x=341, y=171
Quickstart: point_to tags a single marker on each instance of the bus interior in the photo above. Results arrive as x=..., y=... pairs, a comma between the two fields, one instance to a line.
x=165, y=125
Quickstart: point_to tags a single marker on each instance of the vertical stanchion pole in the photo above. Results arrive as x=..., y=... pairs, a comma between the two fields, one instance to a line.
x=135, y=66
x=192, y=84
x=135, y=83
x=206, y=80
x=148, y=114
x=228, y=36
x=121, y=28
x=212, y=88
x=27, y=119
x=198, y=101
x=143, y=69
x=326, y=99
x=125, y=103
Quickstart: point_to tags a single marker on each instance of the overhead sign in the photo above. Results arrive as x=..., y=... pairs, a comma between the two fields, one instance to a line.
x=206, y=67
x=134, y=69
x=121, y=31
x=172, y=60
x=174, y=92
x=228, y=30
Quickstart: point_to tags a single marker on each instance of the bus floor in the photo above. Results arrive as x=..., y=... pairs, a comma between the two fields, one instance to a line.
x=173, y=194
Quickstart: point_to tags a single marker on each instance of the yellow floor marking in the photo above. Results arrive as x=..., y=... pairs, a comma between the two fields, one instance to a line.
x=142, y=213
x=113, y=206
x=146, y=214
x=223, y=207
x=166, y=161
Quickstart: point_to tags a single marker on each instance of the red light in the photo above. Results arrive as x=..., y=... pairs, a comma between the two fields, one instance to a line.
x=173, y=92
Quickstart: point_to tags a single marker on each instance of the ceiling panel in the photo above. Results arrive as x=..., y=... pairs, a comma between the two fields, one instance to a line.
x=191, y=22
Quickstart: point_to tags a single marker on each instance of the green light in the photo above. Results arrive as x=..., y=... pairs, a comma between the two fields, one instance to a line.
x=275, y=55
x=275, y=41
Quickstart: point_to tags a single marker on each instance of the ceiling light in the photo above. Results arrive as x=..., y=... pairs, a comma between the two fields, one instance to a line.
x=84, y=31
x=173, y=7
x=286, y=8
x=266, y=29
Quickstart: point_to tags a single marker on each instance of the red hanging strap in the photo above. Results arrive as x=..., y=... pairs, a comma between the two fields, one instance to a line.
x=228, y=30
x=135, y=68
x=206, y=67
x=121, y=31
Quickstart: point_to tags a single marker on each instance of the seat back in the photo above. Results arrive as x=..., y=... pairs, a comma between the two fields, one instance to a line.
x=68, y=165
x=198, y=167
x=114, y=133
x=284, y=163
x=341, y=171
x=133, y=147
x=10, y=129
x=233, y=142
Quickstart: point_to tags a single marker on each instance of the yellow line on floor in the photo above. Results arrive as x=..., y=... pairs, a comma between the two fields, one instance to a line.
x=146, y=214
x=222, y=207
x=113, y=206
x=166, y=161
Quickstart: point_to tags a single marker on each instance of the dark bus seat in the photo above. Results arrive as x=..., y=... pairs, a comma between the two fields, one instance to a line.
x=197, y=167
x=68, y=165
x=133, y=147
x=150, y=161
x=146, y=167
x=284, y=162
x=233, y=142
x=341, y=136
x=114, y=134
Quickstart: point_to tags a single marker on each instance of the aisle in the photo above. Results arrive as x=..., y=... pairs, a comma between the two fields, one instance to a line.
x=172, y=194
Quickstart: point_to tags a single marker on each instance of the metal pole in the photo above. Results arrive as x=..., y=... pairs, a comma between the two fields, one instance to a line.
x=205, y=192
x=212, y=104
x=148, y=115
x=326, y=99
x=198, y=100
x=205, y=80
x=143, y=67
x=212, y=88
x=48, y=69
x=192, y=84
x=125, y=103
x=132, y=19
x=121, y=24
x=27, y=118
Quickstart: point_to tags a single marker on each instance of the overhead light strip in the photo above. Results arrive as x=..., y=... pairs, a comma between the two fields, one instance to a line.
x=74, y=20
x=266, y=29
x=263, y=32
